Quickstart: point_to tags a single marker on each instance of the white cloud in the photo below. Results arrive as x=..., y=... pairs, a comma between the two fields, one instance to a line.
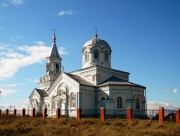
x=17, y=2
x=175, y=90
x=41, y=43
x=16, y=38
x=7, y=106
x=65, y=13
x=7, y=92
x=62, y=50
x=11, y=61
x=5, y=48
x=25, y=104
x=9, y=85
x=6, y=3
x=166, y=105
x=33, y=80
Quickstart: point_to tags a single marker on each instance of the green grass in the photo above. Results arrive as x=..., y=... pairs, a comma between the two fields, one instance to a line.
x=28, y=126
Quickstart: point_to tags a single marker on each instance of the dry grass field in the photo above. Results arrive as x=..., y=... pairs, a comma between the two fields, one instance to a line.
x=86, y=127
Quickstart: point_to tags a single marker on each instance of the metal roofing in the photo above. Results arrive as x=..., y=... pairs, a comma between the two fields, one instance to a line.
x=41, y=92
x=96, y=41
x=54, y=51
x=117, y=81
x=80, y=80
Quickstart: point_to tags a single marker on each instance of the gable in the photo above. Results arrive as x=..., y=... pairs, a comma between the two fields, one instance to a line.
x=34, y=94
x=63, y=80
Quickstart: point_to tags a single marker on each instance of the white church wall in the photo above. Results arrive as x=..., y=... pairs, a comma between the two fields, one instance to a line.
x=103, y=92
x=126, y=93
x=88, y=97
x=86, y=62
x=119, y=93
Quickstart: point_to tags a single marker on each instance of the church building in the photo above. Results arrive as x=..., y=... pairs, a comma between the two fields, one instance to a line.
x=94, y=86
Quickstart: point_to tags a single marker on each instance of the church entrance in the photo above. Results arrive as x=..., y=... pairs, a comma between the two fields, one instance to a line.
x=62, y=103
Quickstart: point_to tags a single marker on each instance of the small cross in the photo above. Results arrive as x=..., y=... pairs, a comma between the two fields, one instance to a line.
x=54, y=31
x=96, y=30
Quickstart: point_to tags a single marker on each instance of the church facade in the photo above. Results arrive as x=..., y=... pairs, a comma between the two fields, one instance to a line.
x=94, y=86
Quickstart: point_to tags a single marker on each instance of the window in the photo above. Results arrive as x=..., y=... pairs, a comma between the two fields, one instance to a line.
x=119, y=102
x=137, y=103
x=106, y=55
x=102, y=102
x=86, y=56
x=72, y=100
x=96, y=54
x=102, y=98
x=57, y=68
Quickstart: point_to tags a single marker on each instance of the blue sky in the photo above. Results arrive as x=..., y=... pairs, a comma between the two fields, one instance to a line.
x=144, y=37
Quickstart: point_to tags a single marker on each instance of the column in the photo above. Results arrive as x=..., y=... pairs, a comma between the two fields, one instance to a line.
x=45, y=113
x=77, y=99
x=23, y=112
x=78, y=113
x=161, y=115
x=57, y=113
x=129, y=114
x=178, y=116
x=7, y=113
x=33, y=112
x=14, y=113
x=102, y=113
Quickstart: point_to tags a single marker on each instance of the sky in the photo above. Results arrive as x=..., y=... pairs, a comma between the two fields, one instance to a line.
x=144, y=36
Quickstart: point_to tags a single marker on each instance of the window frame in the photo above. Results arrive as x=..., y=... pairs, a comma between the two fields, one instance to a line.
x=57, y=67
x=96, y=54
x=106, y=55
x=119, y=102
x=138, y=103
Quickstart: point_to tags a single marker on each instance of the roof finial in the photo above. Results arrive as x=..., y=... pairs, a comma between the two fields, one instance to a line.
x=54, y=51
x=54, y=37
x=96, y=31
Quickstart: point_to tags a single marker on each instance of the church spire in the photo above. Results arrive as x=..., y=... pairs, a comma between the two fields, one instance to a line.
x=54, y=51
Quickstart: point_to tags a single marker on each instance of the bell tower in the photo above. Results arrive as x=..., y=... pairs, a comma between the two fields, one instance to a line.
x=53, y=67
x=53, y=62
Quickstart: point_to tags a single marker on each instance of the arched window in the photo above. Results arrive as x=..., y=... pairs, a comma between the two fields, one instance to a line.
x=106, y=55
x=96, y=54
x=57, y=67
x=86, y=56
x=102, y=101
x=137, y=103
x=72, y=100
x=119, y=102
x=102, y=98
